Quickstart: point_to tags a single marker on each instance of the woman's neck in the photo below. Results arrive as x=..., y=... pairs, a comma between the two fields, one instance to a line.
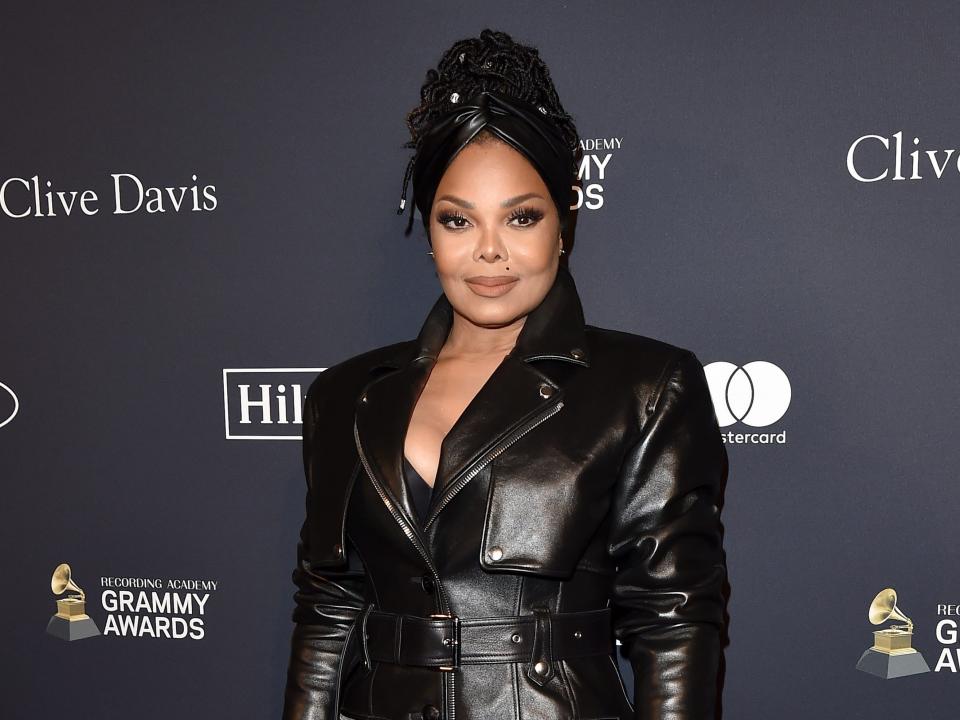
x=468, y=340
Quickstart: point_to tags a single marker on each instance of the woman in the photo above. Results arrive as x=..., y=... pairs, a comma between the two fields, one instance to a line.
x=491, y=503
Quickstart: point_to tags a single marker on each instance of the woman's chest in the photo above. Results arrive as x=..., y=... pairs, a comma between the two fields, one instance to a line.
x=529, y=499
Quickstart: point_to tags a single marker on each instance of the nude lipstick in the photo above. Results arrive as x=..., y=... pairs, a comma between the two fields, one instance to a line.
x=491, y=285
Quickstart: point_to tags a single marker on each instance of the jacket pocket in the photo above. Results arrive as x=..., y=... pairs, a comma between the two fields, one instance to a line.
x=348, y=659
x=623, y=689
x=598, y=688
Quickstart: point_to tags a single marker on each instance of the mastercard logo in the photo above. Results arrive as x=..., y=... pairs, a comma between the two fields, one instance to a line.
x=756, y=394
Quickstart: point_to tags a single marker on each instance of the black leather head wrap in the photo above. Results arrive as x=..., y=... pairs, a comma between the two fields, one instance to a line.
x=518, y=122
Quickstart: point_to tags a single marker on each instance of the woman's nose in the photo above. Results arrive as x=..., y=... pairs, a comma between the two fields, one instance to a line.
x=490, y=245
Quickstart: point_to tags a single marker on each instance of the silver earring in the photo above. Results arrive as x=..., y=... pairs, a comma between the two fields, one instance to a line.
x=430, y=252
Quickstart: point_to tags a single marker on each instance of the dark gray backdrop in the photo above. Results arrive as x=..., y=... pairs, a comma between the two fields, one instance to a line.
x=730, y=224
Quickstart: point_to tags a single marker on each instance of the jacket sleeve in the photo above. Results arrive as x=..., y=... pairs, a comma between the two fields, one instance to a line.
x=666, y=539
x=326, y=602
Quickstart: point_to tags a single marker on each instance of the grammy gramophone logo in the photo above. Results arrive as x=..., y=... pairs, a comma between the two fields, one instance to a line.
x=71, y=621
x=892, y=653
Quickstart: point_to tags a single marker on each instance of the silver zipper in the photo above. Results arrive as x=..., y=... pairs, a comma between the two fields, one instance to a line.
x=459, y=483
x=451, y=695
x=492, y=455
x=415, y=538
x=410, y=531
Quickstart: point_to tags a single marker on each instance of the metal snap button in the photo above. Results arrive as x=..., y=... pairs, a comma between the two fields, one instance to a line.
x=426, y=582
x=430, y=713
x=576, y=353
x=540, y=668
x=546, y=390
x=338, y=550
x=516, y=637
x=577, y=634
x=495, y=553
x=363, y=398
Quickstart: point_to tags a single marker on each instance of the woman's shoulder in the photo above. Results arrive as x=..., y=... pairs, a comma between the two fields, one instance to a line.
x=348, y=375
x=642, y=358
x=621, y=343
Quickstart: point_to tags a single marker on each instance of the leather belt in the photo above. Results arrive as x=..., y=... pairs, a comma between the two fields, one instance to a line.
x=447, y=641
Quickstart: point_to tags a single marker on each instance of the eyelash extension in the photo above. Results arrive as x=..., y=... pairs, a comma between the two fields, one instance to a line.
x=532, y=213
x=446, y=216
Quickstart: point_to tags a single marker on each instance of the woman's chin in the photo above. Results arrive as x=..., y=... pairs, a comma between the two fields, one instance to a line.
x=491, y=312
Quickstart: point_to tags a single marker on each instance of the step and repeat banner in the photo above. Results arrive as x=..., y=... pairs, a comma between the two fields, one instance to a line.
x=198, y=215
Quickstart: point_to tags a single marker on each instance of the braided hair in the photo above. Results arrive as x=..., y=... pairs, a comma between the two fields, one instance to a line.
x=493, y=62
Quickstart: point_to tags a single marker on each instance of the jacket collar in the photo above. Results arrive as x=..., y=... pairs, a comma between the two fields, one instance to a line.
x=553, y=330
x=516, y=395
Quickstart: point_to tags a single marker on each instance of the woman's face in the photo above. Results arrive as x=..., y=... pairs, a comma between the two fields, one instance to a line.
x=493, y=220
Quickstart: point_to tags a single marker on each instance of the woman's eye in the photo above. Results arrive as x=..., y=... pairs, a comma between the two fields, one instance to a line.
x=446, y=217
x=526, y=217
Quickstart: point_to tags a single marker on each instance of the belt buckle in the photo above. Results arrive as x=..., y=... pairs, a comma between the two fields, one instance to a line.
x=451, y=642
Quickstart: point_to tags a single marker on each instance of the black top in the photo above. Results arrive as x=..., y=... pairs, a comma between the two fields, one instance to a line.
x=419, y=488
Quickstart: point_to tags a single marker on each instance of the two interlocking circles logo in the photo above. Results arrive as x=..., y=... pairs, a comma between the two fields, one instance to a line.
x=756, y=394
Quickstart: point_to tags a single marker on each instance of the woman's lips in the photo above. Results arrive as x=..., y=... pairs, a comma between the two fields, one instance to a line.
x=491, y=285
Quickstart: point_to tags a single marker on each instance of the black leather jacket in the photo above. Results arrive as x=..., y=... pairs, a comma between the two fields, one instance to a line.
x=587, y=473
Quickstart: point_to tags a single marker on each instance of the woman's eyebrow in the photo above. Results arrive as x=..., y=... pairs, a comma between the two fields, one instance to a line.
x=457, y=201
x=519, y=199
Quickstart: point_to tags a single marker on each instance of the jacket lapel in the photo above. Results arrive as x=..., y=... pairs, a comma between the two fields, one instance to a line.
x=517, y=395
